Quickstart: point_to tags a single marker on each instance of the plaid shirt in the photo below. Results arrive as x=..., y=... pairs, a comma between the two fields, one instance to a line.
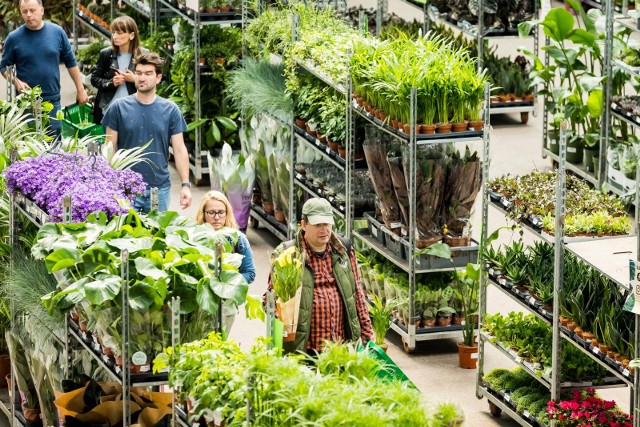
x=328, y=313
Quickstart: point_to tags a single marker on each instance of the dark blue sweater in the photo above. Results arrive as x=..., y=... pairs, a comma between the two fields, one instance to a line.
x=37, y=56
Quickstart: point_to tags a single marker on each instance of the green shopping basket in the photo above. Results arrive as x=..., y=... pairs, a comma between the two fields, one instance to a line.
x=390, y=371
x=78, y=120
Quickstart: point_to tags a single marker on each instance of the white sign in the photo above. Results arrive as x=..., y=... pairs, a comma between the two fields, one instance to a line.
x=193, y=4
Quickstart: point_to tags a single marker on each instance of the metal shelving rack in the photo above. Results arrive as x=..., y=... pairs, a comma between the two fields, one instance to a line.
x=80, y=17
x=584, y=249
x=599, y=180
x=431, y=15
x=196, y=20
x=74, y=337
x=410, y=334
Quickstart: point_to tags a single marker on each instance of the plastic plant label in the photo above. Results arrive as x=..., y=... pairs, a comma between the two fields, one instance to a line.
x=571, y=149
x=532, y=300
x=633, y=302
x=105, y=358
x=139, y=358
x=328, y=150
x=526, y=413
x=374, y=231
x=474, y=355
x=96, y=346
x=626, y=373
x=145, y=368
x=517, y=359
x=596, y=350
x=507, y=397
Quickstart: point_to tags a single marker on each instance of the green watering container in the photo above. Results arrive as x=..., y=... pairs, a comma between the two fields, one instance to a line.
x=78, y=120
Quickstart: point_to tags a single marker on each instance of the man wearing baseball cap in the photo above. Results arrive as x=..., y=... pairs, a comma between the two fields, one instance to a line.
x=332, y=304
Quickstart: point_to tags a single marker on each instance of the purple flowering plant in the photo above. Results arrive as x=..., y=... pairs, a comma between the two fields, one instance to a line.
x=90, y=181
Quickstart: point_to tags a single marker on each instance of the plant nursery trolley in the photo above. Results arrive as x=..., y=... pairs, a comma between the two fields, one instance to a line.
x=587, y=250
x=432, y=15
x=198, y=159
x=80, y=16
x=406, y=260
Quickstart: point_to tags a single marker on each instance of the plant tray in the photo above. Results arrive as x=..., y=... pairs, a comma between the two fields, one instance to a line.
x=374, y=227
x=393, y=242
x=391, y=372
x=78, y=120
x=460, y=256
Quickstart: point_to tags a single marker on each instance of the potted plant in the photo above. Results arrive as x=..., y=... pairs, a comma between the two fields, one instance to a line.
x=466, y=285
x=380, y=313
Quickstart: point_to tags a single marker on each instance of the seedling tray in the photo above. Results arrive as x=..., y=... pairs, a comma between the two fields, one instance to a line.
x=461, y=256
x=374, y=227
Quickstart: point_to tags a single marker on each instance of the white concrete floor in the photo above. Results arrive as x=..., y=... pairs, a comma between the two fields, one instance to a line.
x=515, y=149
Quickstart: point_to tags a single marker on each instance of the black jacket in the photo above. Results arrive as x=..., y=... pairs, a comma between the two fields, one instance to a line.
x=102, y=79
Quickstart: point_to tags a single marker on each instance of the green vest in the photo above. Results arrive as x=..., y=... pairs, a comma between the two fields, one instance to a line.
x=346, y=283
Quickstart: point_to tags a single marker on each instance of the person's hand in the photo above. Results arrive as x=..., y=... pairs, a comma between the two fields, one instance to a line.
x=129, y=76
x=185, y=197
x=82, y=97
x=20, y=85
x=118, y=78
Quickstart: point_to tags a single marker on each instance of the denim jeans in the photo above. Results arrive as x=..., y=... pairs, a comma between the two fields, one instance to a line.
x=143, y=203
x=54, y=125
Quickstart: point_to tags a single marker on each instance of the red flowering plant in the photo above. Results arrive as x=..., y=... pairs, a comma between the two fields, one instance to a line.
x=587, y=410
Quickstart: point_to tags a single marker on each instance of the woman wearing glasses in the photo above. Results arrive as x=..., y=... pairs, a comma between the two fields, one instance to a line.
x=216, y=210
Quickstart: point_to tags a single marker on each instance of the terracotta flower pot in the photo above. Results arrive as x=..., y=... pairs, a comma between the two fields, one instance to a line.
x=443, y=321
x=444, y=128
x=428, y=129
x=332, y=144
x=279, y=215
x=460, y=127
x=300, y=123
x=428, y=323
x=467, y=356
x=267, y=207
x=477, y=124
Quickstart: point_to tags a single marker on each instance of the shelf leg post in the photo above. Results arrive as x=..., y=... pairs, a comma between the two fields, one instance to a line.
x=126, y=373
x=558, y=263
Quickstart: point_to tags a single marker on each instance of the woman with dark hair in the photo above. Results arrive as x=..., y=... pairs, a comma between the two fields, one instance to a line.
x=114, y=75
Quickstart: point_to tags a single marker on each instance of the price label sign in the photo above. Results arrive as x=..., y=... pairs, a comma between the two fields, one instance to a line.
x=633, y=301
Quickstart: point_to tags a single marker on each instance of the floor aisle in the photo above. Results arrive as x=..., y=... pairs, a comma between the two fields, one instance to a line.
x=433, y=367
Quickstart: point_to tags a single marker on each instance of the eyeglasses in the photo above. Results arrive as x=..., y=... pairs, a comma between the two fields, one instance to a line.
x=216, y=214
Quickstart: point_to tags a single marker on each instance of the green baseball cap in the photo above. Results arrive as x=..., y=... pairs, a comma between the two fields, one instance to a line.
x=318, y=211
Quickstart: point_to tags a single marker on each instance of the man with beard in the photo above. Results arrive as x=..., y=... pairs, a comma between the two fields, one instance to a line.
x=144, y=117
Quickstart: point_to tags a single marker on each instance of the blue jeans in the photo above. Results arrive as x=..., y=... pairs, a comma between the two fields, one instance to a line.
x=143, y=203
x=54, y=125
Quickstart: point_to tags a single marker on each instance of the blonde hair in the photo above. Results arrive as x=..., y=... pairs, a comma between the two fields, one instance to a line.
x=230, y=219
x=126, y=24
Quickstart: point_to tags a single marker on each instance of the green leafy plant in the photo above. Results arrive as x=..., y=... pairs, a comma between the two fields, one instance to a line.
x=380, y=313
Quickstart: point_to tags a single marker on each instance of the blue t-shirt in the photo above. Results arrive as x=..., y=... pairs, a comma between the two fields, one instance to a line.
x=138, y=124
x=37, y=56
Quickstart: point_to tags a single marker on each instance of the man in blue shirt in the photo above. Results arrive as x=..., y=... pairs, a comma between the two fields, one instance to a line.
x=36, y=49
x=136, y=119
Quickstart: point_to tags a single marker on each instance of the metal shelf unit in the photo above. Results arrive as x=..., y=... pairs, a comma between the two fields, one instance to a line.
x=197, y=21
x=431, y=14
x=74, y=339
x=410, y=335
x=584, y=249
x=80, y=17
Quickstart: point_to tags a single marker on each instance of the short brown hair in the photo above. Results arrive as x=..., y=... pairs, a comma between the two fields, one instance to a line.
x=149, y=58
